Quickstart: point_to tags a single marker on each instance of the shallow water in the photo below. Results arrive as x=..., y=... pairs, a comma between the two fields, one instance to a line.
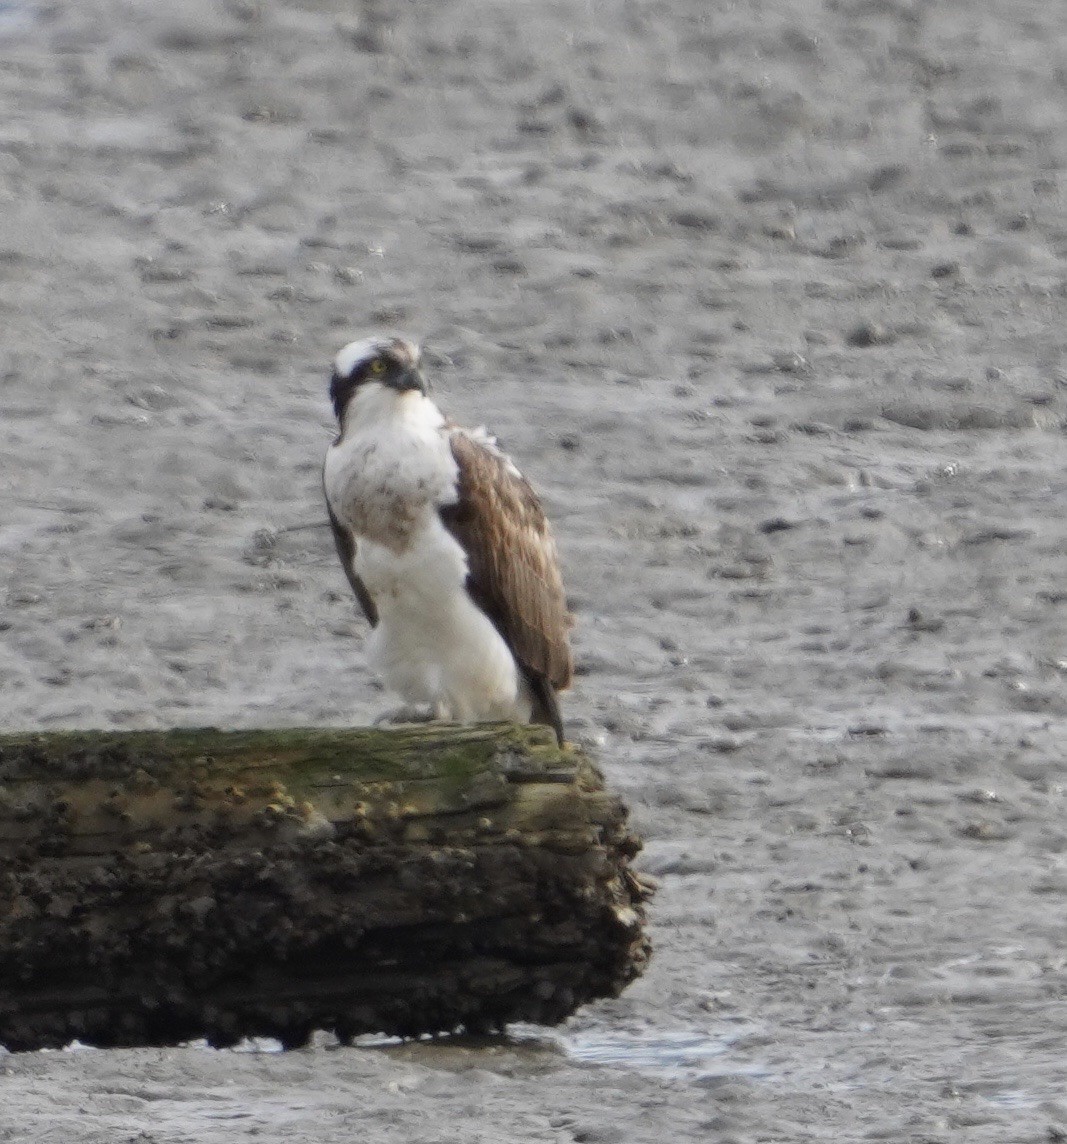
x=682, y=1053
x=16, y=18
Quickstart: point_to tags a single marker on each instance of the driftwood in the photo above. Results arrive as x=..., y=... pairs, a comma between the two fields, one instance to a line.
x=158, y=887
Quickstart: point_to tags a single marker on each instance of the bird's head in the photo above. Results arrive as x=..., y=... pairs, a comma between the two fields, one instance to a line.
x=385, y=367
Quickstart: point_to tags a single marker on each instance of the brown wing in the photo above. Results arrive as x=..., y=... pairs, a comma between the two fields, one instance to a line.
x=346, y=549
x=513, y=571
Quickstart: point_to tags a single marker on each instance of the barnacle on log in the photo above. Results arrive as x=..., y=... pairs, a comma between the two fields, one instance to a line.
x=162, y=886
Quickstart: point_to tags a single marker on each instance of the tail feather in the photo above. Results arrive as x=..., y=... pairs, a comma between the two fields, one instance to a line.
x=546, y=706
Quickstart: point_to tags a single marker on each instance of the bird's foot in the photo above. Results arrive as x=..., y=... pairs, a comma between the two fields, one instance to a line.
x=411, y=713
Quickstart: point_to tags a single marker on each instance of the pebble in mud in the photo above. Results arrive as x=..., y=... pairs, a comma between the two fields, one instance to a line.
x=867, y=334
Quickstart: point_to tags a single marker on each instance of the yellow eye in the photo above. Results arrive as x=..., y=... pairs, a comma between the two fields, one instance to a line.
x=377, y=366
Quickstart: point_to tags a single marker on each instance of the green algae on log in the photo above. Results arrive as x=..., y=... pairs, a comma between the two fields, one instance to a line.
x=161, y=886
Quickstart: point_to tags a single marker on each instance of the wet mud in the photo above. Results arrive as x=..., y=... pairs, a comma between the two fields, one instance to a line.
x=767, y=300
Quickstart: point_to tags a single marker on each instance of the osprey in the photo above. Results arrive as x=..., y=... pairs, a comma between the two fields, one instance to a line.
x=446, y=547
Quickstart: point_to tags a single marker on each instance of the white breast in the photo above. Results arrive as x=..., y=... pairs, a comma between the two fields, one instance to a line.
x=391, y=467
x=386, y=479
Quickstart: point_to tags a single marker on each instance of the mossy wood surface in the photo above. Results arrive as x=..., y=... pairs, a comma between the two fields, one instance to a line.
x=161, y=886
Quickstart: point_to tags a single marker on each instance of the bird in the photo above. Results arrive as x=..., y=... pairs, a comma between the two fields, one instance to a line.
x=446, y=548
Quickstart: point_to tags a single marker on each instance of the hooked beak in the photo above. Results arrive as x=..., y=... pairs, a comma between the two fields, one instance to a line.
x=409, y=379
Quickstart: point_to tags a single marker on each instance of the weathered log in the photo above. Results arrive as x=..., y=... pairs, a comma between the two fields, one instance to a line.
x=162, y=886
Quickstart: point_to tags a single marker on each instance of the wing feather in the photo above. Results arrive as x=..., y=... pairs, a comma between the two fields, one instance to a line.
x=346, y=550
x=513, y=567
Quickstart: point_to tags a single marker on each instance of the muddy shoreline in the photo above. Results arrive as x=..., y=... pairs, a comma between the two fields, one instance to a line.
x=768, y=302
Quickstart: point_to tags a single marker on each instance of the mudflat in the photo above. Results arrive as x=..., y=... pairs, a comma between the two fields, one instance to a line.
x=768, y=301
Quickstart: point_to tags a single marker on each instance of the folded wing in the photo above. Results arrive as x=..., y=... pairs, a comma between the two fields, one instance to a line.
x=513, y=567
x=346, y=550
